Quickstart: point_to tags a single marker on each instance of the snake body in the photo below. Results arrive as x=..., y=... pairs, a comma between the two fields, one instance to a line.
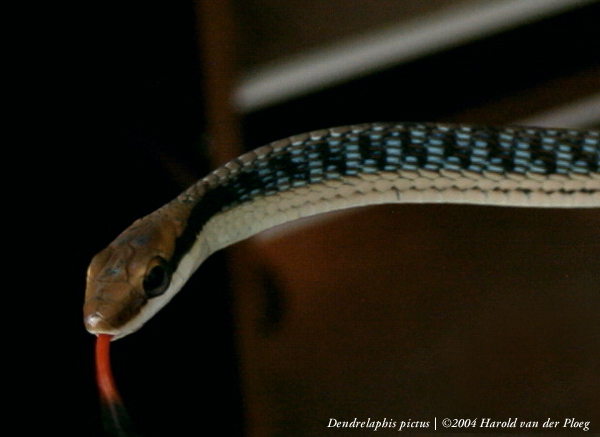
x=327, y=170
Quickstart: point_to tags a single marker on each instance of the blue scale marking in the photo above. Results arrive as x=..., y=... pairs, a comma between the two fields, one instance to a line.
x=410, y=147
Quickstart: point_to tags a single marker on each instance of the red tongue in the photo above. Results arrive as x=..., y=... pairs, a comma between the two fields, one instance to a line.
x=104, y=378
x=115, y=418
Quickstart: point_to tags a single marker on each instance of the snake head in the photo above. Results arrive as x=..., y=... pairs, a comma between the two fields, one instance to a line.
x=131, y=279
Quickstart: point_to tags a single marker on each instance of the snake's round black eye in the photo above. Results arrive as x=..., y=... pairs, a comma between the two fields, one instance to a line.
x=157, y=278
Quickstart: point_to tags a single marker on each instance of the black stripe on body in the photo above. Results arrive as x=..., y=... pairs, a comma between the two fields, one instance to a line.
x=394, y=148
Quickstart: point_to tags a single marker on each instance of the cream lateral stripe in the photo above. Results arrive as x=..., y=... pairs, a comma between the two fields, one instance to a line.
x=266, y=212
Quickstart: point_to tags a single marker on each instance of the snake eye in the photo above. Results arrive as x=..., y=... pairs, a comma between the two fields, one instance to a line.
x=157, y=278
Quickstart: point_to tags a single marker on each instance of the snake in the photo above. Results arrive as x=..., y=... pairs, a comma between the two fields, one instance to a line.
x=328, y=170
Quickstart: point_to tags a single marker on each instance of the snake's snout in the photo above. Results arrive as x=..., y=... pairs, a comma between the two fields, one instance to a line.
x=96, y=323
x=93, y=321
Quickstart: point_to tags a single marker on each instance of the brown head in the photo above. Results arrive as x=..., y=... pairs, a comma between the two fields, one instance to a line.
x=131, y=279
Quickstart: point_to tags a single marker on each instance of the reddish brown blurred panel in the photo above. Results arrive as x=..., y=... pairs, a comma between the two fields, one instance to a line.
x=411, y=312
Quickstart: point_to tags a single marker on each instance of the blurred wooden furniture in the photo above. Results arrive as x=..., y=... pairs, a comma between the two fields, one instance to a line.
x=417, y=312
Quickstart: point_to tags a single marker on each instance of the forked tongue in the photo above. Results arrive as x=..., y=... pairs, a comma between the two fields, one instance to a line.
x=115, y=418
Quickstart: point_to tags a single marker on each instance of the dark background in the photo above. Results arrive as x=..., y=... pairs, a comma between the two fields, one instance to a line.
x=134, y=136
